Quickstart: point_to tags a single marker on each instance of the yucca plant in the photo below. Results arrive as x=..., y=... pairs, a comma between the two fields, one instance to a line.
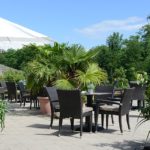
x=2, y=114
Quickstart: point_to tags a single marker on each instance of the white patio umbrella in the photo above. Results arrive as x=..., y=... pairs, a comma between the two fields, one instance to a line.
x=15, y=36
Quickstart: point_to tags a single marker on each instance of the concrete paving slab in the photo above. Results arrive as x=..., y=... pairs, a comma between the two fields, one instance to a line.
x=29, y=130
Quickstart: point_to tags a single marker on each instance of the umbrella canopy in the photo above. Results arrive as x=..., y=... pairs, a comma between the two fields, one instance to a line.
x=15, y=36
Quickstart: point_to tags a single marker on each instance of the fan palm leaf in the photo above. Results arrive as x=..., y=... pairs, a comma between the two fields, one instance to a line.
x=64, y=84
x=93, y=74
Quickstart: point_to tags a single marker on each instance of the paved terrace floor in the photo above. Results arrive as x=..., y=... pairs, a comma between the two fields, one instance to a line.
x=29, y=130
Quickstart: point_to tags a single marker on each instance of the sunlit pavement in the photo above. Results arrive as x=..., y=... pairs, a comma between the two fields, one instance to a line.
x=27, y=129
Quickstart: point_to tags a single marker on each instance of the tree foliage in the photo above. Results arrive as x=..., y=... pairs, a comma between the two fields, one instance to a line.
x=132, y=54
x=19, y=58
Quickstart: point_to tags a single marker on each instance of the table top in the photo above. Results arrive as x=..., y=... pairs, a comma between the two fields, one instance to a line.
x=95, y=93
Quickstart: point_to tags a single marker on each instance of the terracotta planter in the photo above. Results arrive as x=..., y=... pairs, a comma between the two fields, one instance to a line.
x=44, y=105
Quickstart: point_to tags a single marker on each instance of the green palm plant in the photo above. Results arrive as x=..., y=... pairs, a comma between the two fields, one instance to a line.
x=77, y=69
x=63, y=66
x=93, y=74
x=38, y=74
x=81, y=79
x=40, y=71
x=75, y=57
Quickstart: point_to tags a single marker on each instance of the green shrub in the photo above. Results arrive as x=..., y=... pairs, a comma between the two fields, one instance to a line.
x=13, y=75
x=120, y=76
x=142, y=77
x=2, y=113
x=145, y=112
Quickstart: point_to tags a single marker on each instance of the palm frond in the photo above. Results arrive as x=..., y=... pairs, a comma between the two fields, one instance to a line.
x=64, y=84
x=93, y=74
x=140, y=123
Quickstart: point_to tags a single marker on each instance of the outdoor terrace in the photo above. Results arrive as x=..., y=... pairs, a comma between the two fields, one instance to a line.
x=27, y=129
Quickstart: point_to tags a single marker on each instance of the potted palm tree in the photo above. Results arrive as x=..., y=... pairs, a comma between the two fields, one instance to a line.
x=38, y=77
x=63, y=66
x=42, y=71
x=77, y=70
x=39, y=73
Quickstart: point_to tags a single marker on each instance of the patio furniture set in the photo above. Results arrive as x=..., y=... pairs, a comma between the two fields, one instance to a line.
x=103, y=101
x=69, y=103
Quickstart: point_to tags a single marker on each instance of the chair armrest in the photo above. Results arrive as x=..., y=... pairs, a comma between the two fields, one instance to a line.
x=107, y=102
x=118, y=91
x=114, y=98
x=55, y=101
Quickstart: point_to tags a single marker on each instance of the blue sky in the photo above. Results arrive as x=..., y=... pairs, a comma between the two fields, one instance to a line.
x=85, y=22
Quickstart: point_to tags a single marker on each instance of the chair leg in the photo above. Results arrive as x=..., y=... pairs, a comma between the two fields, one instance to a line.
x=139, y=103
x=24, y=101
x=35, y=101
x=52, y=116
x=30, y=103
x=21, y=101
x=143, y=103
x=120, y=123
x=107, y=117
x=96, y=113
x=81, y=126
x=131, y=103
x=72, y=123
x=128, y=123
x=102, y=119
x=60, y=125
x=112, y=119
x=16, y=98
x=91, y=122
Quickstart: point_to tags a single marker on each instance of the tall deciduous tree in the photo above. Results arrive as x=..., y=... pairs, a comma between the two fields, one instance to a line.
x=19, y=58
x=115, y=44
x=145, y=40
x=132, y=59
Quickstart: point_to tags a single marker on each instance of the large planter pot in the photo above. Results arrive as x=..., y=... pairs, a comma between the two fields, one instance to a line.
x=44, y=105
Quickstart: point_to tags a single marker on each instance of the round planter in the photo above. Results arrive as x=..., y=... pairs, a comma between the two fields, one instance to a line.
x=44, y=105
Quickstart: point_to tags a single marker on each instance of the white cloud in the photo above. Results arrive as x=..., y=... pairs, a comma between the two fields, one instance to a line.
x=108, y=26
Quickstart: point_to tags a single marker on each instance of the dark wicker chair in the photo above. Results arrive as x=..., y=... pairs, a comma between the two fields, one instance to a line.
x=138, y=94
x=34, y=100
x=2, y=93
x=115, y=108
x=54, y=103
x=3, y=84
x=25, y=94
x=3, y=89
x=107, y=89
x=71, y=107
x=13, y=93
x=104, y=88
